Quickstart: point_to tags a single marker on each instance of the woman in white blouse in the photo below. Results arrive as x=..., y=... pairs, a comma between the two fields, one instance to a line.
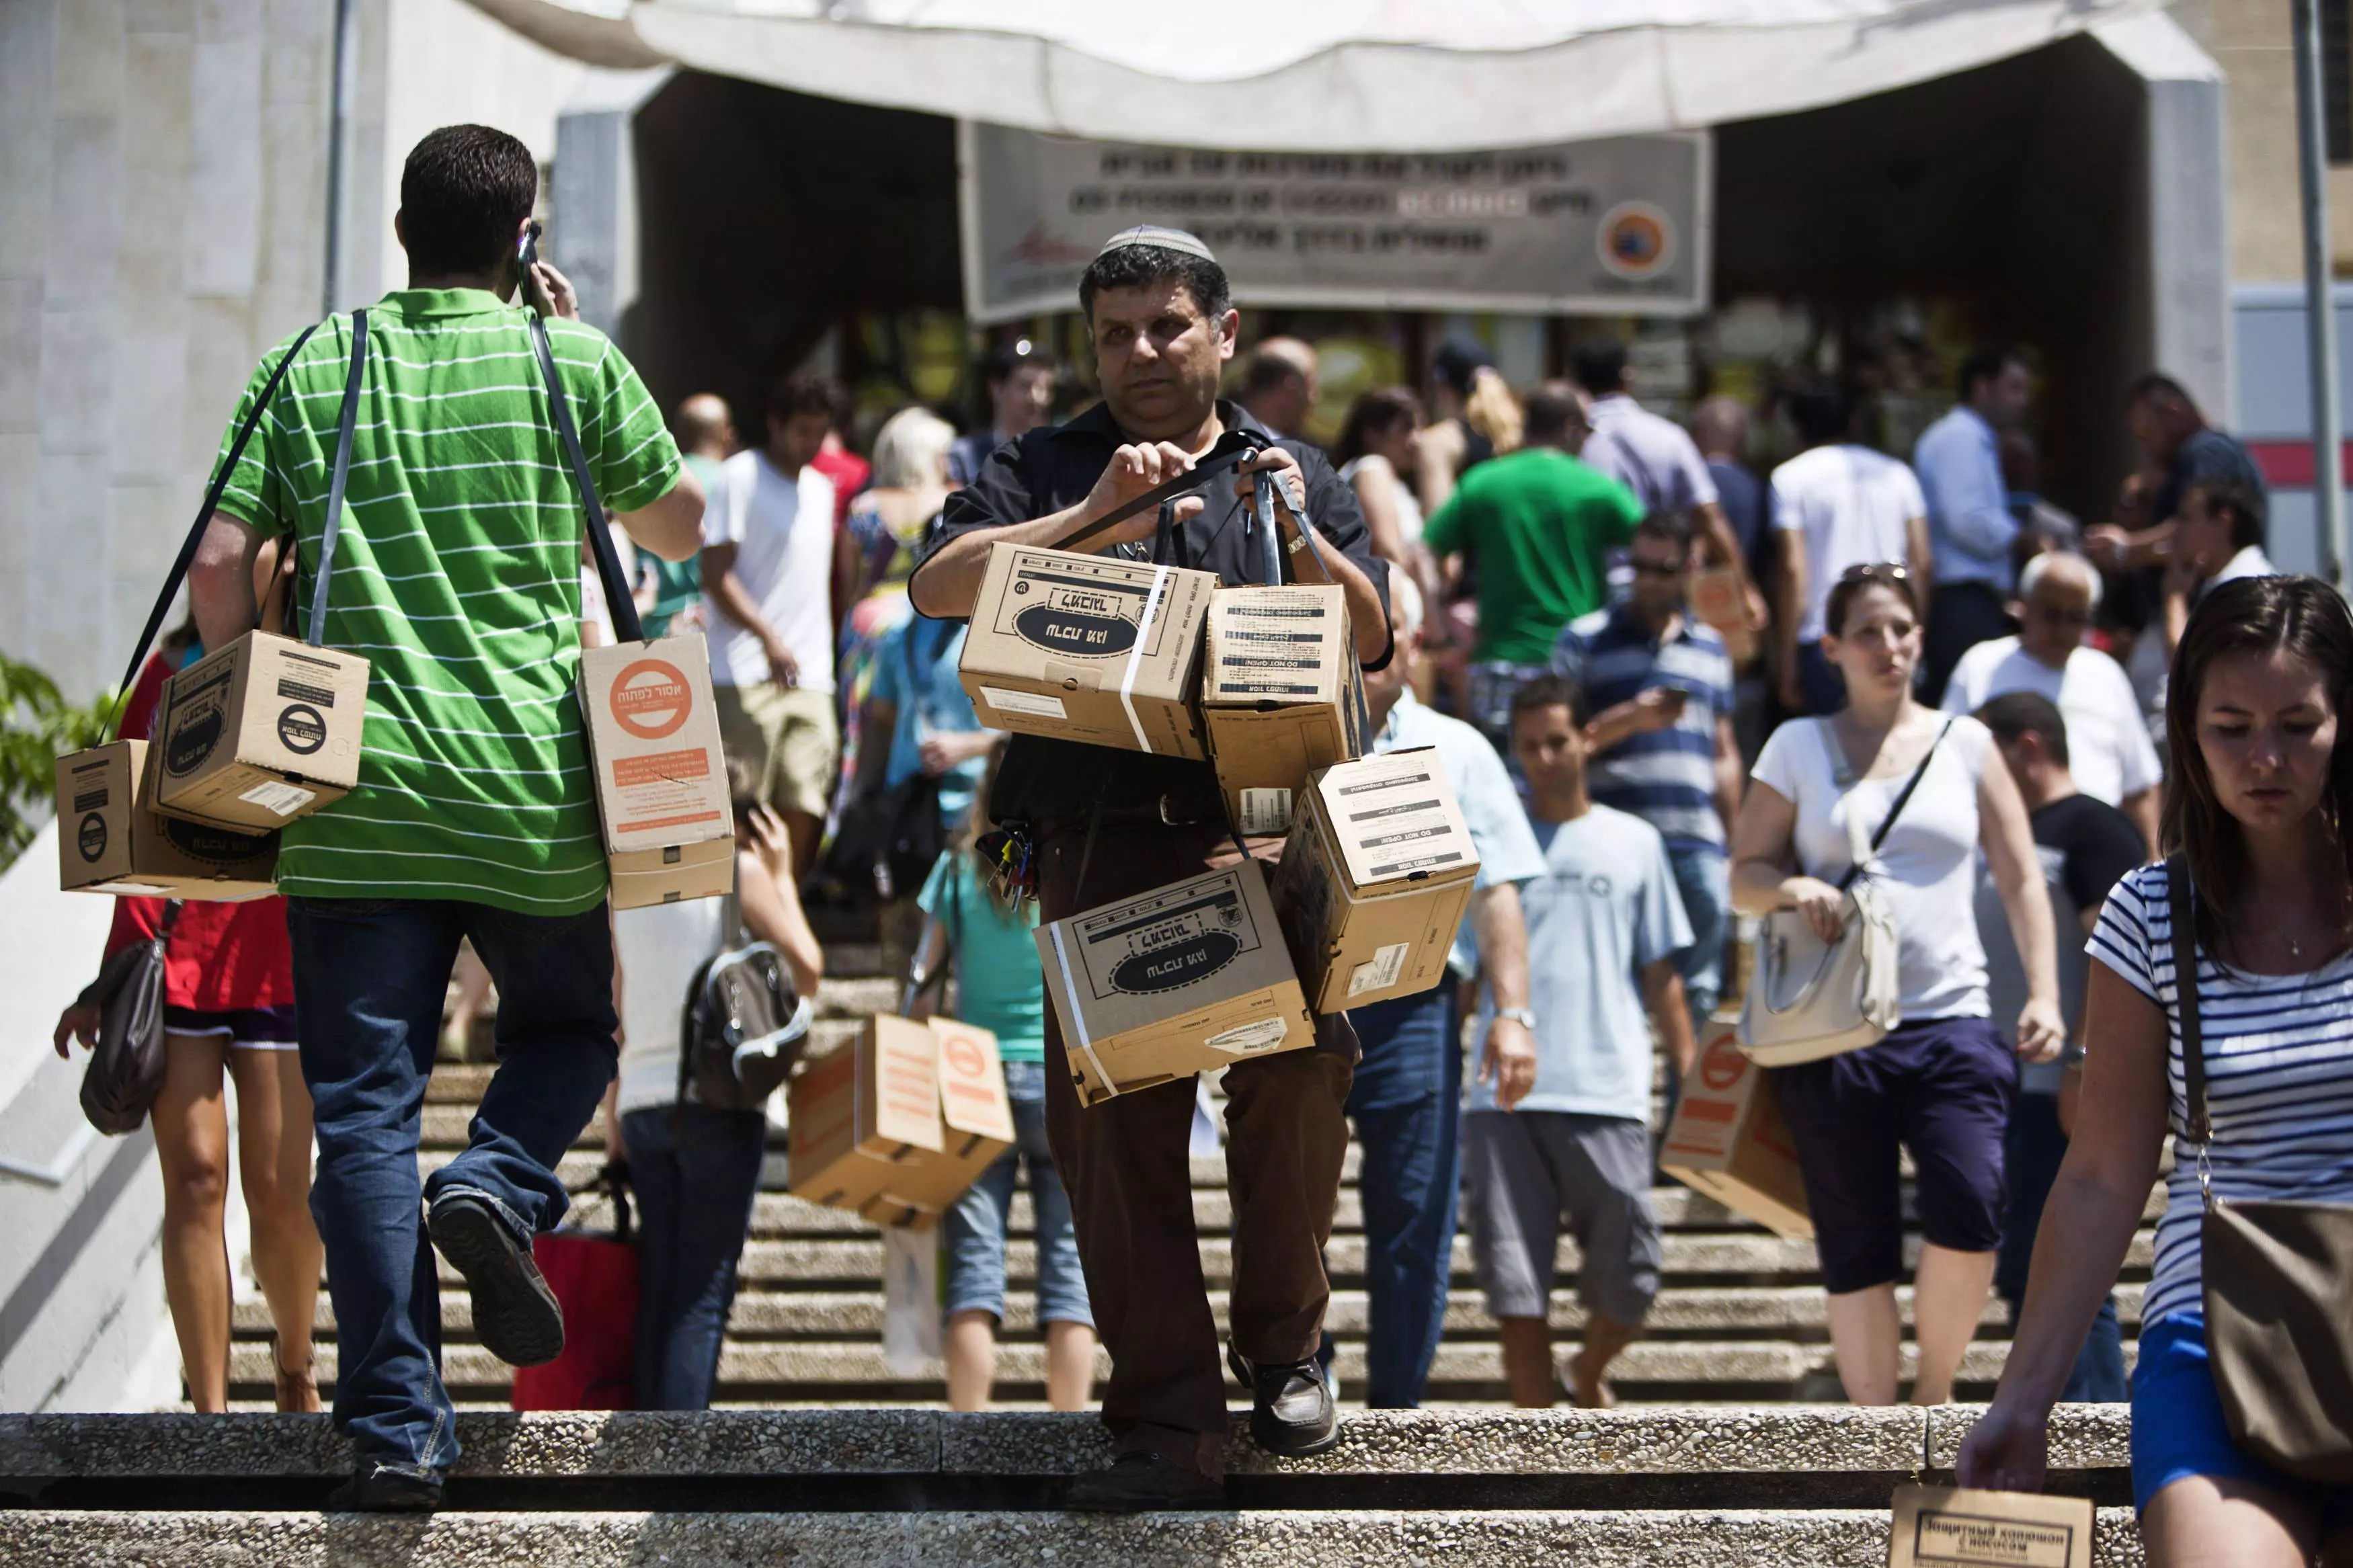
x=1942, y=1082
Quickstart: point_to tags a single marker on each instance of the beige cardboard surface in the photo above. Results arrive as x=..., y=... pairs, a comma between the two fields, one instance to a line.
x=1377, y=874
x=899, y=1121
x=261, y=731
x=1728, y=1140
x=111, y=841
x=1180, y=980
x=1950, y=1527
x=660, y=770
x=1280, y=699
x=1088, y=648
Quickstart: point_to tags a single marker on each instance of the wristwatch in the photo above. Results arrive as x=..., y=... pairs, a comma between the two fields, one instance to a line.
x=1523, y=1016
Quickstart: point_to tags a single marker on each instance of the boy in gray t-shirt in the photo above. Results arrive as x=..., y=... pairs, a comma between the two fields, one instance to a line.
x=1606, y=929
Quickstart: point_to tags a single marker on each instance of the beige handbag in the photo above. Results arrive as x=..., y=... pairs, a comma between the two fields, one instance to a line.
x=1810, y=998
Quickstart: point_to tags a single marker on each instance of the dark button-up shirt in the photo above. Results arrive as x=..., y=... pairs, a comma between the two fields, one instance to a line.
x=1048, y=471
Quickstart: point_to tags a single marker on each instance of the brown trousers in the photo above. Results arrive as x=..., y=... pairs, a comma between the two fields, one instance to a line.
x=1126, y=1166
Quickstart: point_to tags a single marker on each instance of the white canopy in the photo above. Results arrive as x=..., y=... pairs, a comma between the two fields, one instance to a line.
x=1315, y=75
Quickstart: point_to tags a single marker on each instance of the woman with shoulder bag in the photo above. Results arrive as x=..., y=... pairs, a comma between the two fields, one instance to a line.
x=2227, y=1029
x=1929, y=790
x=228, y=993
x=695, y=1168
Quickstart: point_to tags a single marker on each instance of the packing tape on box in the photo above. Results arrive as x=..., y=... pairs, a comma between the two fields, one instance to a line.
x=1078, y=1014
x=1135, y=662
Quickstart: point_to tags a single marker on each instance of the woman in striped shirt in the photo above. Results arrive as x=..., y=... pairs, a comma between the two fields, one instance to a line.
x=2260, y=804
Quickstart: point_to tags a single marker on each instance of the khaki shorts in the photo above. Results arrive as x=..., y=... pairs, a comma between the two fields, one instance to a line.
x=789, y=739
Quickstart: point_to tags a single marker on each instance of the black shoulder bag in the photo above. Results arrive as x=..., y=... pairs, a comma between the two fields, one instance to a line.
x=126, y=1070
x=743, y=1027
x=2278, y=1278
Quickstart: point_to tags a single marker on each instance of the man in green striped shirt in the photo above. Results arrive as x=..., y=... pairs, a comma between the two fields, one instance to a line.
x=457, y=573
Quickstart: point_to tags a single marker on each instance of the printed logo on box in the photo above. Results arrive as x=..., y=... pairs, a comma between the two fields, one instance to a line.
x=197, y=719
x=89, y=836
x=1164, y=945
x=651, y=699
x=302, y=729
x=1974, y=1539
x=213, y=846
x=1083, y=621
x=1723, y=1065
x=962, y=1057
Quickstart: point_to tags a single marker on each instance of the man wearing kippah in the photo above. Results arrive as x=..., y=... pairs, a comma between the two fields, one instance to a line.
x=1159, y=310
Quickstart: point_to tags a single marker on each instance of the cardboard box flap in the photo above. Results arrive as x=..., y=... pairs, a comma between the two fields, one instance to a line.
x=972, y=1082
x=1278, y=645
x=906, y=1108
x=1393, y=819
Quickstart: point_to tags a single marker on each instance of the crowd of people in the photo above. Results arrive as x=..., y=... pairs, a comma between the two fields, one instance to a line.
x=1922, y=665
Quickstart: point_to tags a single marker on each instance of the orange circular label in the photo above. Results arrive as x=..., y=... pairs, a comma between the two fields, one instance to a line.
x=651, y=699
x=964, y=1057
x=1636, y=241
x=1723, y=1065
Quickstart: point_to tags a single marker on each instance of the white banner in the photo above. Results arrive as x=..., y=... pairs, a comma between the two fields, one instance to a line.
x=1613, y=228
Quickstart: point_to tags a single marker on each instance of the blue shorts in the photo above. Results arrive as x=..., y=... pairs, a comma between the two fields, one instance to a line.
x=2178, y=1429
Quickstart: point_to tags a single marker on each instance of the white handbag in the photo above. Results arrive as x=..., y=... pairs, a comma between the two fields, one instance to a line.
x=1808, y=998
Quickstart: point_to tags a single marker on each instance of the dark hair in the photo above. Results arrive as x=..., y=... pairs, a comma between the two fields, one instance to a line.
x=1005, y=358
x=1674, y=527
x=1823, y=412
x=1383, y=408
x=1854, y=581
x=802, y=393
x=2259, y=616
x=1599, y=364
x=1142, y=266
x=2016, y=713
x=464, y=193
x=1549, y=691
x=1457, y=361
x=1270, y=373
x=1550, y=412
x=2159, y=386
x=2243, y=503
x=1984, y=364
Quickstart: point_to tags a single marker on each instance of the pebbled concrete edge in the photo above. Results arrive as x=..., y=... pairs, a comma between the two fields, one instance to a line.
x=2083, y=1437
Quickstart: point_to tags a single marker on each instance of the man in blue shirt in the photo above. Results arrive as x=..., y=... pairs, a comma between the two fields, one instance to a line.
x=1407, y=1097
x=918, y=720
x=1660, y=684
x=1606, y=934
x=1970, y=525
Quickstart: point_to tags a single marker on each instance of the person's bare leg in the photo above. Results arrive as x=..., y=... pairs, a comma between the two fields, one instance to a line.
x=1528, y=1362
x=273, y=1148
x=473, y=982
x=1588, y=1369
x=1069, y=1365
x=191, y=1122
x=1948, y=1295
x=2201, y=1521
x=972, y=1358
x=1867, y=1338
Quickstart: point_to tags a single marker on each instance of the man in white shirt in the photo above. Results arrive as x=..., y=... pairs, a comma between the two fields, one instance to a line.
x=767, y=582
x=2107, y=744
x=1848, y=506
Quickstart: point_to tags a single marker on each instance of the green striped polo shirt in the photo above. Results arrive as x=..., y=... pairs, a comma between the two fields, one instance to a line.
x=457, y=573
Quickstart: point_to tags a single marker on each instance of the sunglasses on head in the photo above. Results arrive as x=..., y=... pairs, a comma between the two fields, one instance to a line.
x=1891, y=573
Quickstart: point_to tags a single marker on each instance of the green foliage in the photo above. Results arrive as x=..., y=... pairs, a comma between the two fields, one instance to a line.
x=37, y=725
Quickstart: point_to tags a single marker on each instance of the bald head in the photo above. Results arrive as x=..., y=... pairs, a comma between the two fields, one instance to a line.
x=703, y=425
x=2060, y=592
x=1719, y=428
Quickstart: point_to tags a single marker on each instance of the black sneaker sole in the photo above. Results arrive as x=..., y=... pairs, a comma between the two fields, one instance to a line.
x=384, y=1494
x=516, y=1315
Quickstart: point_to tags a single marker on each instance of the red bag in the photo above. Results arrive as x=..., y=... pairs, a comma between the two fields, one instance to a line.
x=595, y=1279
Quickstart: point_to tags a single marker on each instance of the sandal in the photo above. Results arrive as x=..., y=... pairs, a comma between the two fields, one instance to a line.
x=298, y=1387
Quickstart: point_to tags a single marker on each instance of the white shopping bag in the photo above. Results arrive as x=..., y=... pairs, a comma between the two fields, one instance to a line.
x=912, y=1346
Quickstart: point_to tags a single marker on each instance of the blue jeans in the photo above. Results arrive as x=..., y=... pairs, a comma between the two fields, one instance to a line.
x=696, y=1172
x=1406, y=1100
x=976, y=1225
x=2031, y=1152
x=373, y=975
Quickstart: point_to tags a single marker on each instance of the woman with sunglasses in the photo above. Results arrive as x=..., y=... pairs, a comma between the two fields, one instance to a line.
x=1942, y=1082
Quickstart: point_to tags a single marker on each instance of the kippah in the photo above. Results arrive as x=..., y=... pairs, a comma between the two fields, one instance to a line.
x=1158, y=239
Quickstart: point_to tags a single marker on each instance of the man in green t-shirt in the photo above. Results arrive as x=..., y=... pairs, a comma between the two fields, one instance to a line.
x=457, y=571
x=1536, y=527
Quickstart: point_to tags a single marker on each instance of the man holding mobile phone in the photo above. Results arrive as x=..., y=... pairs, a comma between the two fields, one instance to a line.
x=1659, y=683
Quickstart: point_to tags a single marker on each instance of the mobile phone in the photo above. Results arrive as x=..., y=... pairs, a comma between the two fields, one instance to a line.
x=527, y=252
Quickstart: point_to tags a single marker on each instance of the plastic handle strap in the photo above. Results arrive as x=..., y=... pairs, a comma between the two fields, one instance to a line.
x=196, y=532
x=333, y=527
x=1232, y=448
x=626, y=624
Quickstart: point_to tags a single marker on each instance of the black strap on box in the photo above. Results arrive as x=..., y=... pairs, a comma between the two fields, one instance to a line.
x=623, y=608
x=1232, y=449
x=179, y=572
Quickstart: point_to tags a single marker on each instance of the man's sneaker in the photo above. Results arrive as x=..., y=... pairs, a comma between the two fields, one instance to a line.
x=515, y=1315
x=1291, y=1411
x=386, y=1488
x=1144, y=1483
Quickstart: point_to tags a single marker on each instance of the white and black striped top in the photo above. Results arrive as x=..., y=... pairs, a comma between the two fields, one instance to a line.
x=2279, y=1078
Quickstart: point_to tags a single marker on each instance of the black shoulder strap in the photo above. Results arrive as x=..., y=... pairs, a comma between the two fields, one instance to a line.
x=2180, y=898
x=1902, y=799
x=196, y=532
x=333, y=526
x=624, y=609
